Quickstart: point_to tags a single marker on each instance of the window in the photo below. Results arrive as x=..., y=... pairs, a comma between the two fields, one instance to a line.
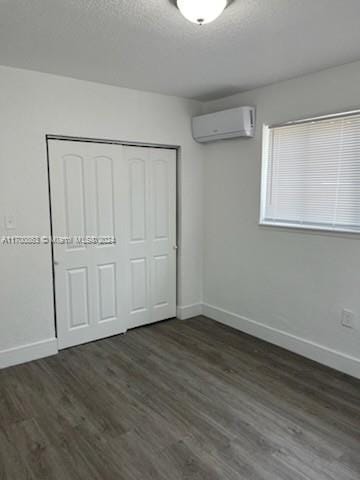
x=311, y=174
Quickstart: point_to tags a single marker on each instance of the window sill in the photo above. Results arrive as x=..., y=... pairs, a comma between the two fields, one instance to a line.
x=316, y=230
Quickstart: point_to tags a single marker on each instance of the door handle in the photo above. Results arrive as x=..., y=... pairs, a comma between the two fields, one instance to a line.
x=175, y=247
x=56, y=263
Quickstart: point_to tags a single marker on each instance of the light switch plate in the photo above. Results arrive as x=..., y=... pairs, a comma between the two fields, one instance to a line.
x=347, y=318
x=10, y=223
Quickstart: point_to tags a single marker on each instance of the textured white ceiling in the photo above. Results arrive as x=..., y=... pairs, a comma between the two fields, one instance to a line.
x=148, y=45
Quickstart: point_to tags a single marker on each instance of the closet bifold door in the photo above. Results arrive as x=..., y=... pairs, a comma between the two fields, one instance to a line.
x=152, y=234
x=87, y=185
x=103, y=191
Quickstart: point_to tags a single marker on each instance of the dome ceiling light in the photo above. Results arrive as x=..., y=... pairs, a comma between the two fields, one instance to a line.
x=201, y=11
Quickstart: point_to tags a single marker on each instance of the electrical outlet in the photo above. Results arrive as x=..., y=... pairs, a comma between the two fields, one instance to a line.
x=348, y=319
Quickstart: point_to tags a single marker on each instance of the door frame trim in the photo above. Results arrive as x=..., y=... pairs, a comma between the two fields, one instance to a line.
x=68, y=138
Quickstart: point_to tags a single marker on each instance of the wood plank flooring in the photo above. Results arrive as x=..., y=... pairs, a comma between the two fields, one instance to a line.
x=178, y=400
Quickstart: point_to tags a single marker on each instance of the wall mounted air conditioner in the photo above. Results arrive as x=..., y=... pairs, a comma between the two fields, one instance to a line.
x=236, y=122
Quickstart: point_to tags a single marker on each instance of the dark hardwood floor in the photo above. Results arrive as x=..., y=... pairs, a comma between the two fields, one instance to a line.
x=178, y=400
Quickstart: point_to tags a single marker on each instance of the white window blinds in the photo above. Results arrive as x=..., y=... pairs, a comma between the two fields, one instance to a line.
x=311, y=174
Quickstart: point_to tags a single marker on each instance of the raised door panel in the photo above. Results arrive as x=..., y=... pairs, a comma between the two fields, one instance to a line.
x=74, y=198
x=161, y=194
x=161, y=281
x=78, y=297
x=104, y=178
x=139, y=289
x=137, y=203
x=107, y=289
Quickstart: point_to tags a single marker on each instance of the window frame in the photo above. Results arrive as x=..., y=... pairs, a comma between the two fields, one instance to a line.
x=265, y=161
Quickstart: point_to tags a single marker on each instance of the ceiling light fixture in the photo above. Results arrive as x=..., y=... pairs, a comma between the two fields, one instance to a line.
x=201, y=11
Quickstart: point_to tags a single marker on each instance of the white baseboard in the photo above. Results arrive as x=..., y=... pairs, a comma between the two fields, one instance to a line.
x=26, y=353
x=189, y=311
x=327, y=356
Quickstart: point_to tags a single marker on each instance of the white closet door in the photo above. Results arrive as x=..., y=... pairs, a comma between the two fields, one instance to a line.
x=162, y=213
x=128, y=193
x=152, y=234
x=87, y=199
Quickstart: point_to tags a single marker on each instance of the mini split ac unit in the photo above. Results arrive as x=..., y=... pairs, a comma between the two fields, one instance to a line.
x=236, y=122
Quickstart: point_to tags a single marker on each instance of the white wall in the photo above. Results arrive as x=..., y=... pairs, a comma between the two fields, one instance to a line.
x=294, y=282
x=33, y=105
x=285, y=286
